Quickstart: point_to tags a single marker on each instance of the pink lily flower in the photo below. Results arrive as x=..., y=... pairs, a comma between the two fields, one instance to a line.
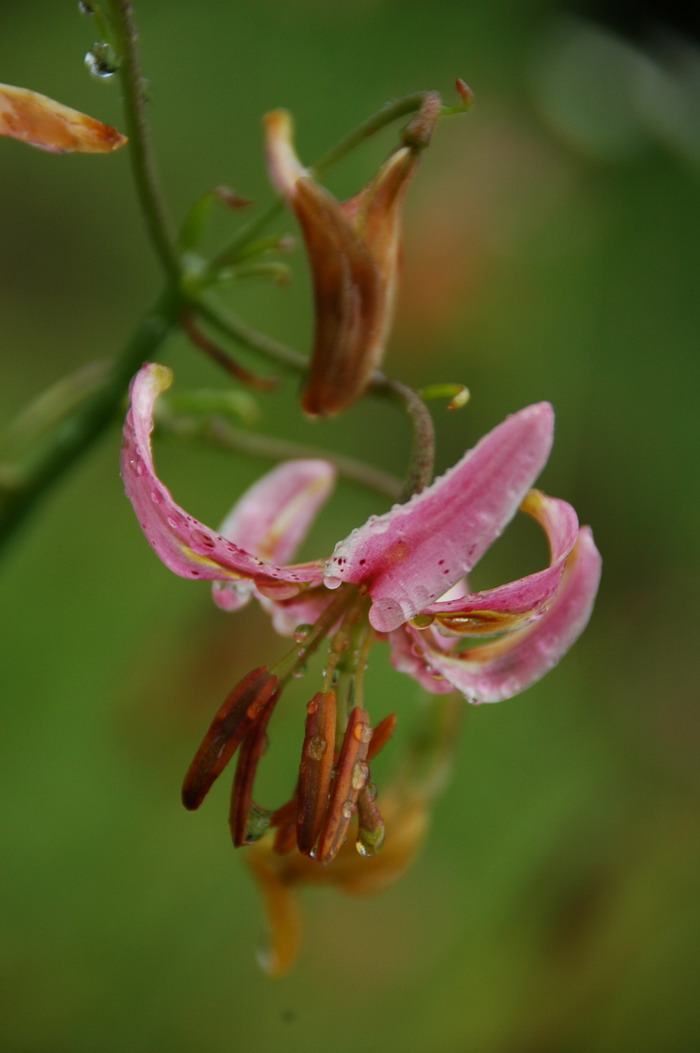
x=402, y=577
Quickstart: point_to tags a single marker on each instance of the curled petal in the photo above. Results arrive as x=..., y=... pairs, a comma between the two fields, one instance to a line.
x=413, y=554
x=40, y=121
x=512, y=606
x=185, y=545
x=496, y=671
x=272, y=518
x=353, y=253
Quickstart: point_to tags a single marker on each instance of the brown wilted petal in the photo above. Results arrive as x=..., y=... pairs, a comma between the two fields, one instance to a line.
x=40, y=121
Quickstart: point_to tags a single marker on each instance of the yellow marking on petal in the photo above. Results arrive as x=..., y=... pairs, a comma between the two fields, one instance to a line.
x=205, y=561
x=40, y=121
x=476, y=623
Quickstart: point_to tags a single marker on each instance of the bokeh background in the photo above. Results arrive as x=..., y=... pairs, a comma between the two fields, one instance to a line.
x=552, y=251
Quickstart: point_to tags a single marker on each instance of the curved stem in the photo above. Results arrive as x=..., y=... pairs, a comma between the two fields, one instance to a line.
x=143, y=163
x=231, y=326
x=420, y=470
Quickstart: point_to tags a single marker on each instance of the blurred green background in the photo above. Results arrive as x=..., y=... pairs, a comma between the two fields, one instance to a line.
x=552, y=251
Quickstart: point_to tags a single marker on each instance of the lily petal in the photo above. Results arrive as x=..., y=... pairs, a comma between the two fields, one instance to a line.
x=413, y=554
x=499, y=670
x=512, y=606
x=40, y=121
x=185, y=545
x=272, y=518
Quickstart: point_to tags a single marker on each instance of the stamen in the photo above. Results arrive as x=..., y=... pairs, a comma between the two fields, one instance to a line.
x=226, y=732
x=381, y=735
x=315, y=768
x=242, y=831
x=351, y=777
x=370, y=832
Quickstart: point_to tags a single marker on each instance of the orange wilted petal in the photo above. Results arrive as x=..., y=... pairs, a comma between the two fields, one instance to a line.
x=40, y=121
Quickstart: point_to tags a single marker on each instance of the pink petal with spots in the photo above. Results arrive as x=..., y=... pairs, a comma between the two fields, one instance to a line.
x=413, y=554
x=185, y=545
x=504, y=668
x=512, y=606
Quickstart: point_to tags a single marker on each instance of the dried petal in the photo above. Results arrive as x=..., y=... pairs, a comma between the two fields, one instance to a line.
x=40, y=121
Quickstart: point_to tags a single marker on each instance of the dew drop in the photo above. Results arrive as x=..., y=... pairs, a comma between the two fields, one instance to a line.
x=316, y=747
x=301, y=632
x=312, y=707
x=102, y=61
x=348, y=809
x=360, y=774
x=363, y=732
x=300, y=670
x=331, y=582
x=85, y=8
x=156, y=497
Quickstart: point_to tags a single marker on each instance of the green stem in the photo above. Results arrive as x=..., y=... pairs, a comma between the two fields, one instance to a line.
x=143, y=164
x=268, y=447
x=232, y=327
x=86, y=423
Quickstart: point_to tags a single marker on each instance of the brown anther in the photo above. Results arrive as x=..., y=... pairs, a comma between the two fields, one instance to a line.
x=370, y=828
x=249, y=756
x=350, y=779
x=381, y=735
x=315, y=768
x=223, y=359
x=226, y=732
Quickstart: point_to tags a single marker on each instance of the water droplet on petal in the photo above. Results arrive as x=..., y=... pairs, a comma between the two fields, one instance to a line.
x=332, y=582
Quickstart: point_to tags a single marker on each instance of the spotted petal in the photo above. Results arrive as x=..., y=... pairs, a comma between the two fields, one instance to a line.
x=185, y=545
x=413, y=554
x=496, y=671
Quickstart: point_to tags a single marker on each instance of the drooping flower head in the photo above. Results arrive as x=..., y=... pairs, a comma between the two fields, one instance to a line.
x=400, y=578
x=353, y=249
